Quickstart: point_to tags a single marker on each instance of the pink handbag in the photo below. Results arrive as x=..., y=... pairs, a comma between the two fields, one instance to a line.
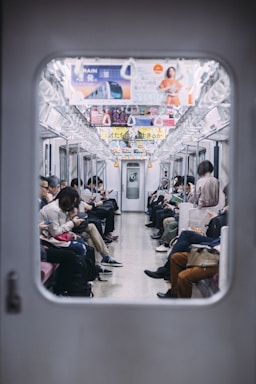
x=66, y=236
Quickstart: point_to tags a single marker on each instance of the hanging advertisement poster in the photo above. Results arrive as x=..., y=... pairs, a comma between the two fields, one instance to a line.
x=133, y=82
x=162, y=83
x=132, y=142
x=99, y=84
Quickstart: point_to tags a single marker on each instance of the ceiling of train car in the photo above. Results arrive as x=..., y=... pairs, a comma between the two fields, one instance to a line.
x=150, y=128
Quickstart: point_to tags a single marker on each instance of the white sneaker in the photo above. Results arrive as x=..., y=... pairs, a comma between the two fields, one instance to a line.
x=162, y=248
x=117, y=212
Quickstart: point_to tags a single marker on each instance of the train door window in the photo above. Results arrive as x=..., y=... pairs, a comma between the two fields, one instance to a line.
x=100, y=172
x=179, y=166
x=133, y=181
x=63, y=164
x=87, y=168
x=132, y=111
x=47, y=159
x=201, y=156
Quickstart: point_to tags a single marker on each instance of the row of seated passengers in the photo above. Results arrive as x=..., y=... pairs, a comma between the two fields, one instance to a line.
x=164, y=215
x=62, y=214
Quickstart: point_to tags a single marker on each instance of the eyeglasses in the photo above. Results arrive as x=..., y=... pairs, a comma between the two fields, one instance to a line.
x=43, y=186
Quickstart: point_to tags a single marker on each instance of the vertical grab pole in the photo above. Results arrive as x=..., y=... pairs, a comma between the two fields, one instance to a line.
x=196, y=178
x=78, y=168
x=185, y=173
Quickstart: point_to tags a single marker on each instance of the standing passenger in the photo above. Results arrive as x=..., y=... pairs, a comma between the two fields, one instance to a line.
x=207, y=186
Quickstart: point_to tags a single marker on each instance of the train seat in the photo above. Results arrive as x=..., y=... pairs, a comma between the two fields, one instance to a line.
x=219, y=281
x=47, y=270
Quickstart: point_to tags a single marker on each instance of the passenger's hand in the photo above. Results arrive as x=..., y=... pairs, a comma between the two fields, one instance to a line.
x=212, y=214
x=77, y=221
x=98, y=203
x=43, y=226
x=73, y=213
x=196, y=230
x=74, y=235
x=192, y=188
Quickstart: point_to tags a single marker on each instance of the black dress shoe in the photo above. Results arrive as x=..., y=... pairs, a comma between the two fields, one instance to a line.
x=157, y=275
x=167, y=295
x=112, y=237
x=156, y=236
x=149, y=225
x=106, y=240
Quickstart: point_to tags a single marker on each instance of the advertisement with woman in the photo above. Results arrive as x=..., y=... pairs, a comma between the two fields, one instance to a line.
x=152, y=83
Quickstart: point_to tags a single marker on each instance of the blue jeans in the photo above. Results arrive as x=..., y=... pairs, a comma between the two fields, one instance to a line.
x=79, y=246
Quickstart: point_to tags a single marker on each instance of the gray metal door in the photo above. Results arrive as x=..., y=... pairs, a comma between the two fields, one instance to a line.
x=45, y=340
x=133, y=193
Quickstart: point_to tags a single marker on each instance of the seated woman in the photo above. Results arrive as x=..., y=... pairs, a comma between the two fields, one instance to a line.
x=58, y=213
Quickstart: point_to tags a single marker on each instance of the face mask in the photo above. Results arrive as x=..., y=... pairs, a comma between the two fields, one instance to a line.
x=180, y=190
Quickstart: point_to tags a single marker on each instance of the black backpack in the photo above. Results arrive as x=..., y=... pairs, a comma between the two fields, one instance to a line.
x=215, y=224
x=84, y=274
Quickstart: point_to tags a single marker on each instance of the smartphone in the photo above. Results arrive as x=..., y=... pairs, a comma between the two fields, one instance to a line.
x=82, y=215
x=47, y=222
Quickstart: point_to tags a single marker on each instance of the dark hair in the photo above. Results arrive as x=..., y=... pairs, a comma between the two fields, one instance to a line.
x=168, y=69
x=75, y=182
x=204, y=167
x=92, y=180
x=190, y=179
x=225, y=191
x=177, y=184
x=43, y=178
x=68, y=199
x=178, y=177
x=53, y=181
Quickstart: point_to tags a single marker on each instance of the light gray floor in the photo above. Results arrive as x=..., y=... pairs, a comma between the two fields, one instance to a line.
x=136, y=250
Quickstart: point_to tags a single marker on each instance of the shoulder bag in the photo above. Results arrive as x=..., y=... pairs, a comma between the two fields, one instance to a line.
x=203, y=256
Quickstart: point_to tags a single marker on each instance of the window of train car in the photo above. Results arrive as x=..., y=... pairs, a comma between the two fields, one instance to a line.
x=95, y=114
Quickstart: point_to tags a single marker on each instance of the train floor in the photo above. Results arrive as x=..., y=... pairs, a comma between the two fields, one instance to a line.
x=136, y=250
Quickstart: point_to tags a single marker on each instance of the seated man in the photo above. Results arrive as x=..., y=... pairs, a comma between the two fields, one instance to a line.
x=185, y=239
x=182, y=278
x=105, y=197
x=102, y=211
x=169, y=210
x=170, y=233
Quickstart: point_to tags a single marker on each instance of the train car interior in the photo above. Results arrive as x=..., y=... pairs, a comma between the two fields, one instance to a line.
x=112, y=113
x=131, y=139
